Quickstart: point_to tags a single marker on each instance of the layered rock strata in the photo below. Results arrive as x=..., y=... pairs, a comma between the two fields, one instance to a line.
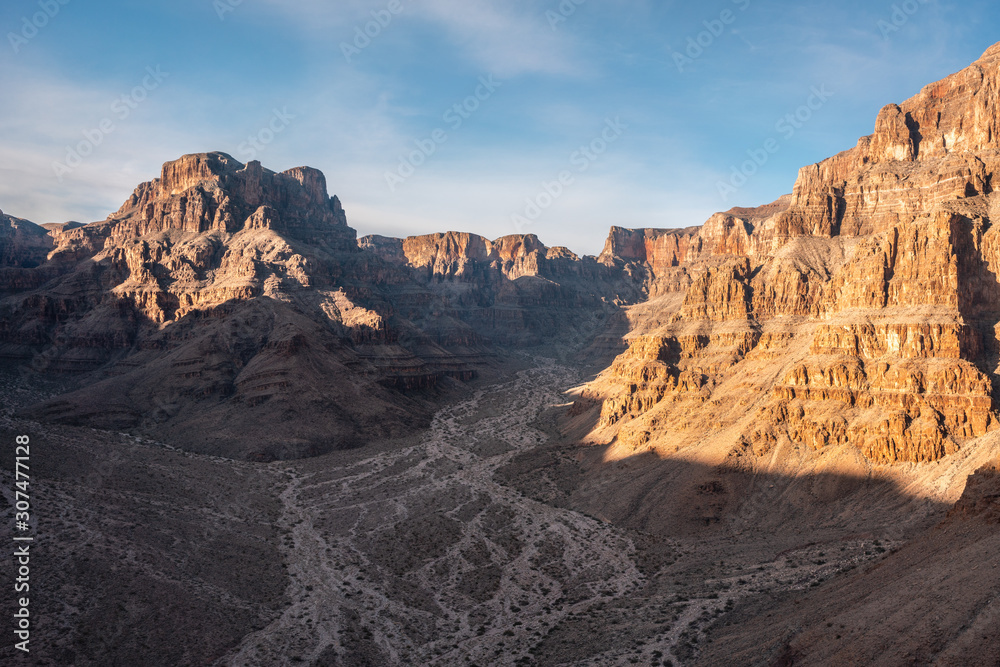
x=224, y=298
x=514, y=290
x=220, y=300
x=860, y=311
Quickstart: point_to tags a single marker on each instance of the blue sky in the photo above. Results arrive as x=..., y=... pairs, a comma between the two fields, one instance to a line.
x=136, y=84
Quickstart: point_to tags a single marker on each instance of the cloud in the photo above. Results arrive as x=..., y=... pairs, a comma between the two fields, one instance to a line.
x=505, y=41
x=483, y=191
x=354, y=133
x=49, y=117
x=503, y=38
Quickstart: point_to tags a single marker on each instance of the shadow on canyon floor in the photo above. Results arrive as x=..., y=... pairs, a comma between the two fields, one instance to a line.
x=432, y=550
x=680, y=498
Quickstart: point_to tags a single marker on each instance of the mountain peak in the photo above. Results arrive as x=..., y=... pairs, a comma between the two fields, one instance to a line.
x=990, y=53
x=188, y=170
x=201, y=192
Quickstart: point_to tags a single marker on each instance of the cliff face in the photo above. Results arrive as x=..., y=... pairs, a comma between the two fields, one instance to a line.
x=24, y=246
x=859, y=312
x=513, y=290
x=222, y=299
x=212, y=191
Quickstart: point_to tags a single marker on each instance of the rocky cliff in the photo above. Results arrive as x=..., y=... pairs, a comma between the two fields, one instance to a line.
x=23, y=247
x=859, y=312
x=230, y=309
x=514, y=290
x=215, y=309
x=800, y=395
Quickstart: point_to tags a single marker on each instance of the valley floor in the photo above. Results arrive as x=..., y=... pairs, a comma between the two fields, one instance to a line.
x=426, y=552
x=419, y=555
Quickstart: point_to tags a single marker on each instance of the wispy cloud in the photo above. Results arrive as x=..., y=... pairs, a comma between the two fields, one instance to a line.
x=48, y=118
x=52, y=116
x=504, y=38
x=355, y=119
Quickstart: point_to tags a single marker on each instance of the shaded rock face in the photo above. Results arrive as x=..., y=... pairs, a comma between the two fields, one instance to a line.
x=224, y=307
x=980, y=500
x=860, y=311
x=224, y=299
x=514, y=290
x=24, y=246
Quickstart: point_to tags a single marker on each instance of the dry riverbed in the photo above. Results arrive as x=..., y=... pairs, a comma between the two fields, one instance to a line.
x=418, y=555
x=420, y=552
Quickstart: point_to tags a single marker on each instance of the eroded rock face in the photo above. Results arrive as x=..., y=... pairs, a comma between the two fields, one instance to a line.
x=224, y=307
x=214, y=192
x=223, y=299
x=513, y=290
x=227, y=308
x=22, y=243
x=980, y=500
x=861, y=311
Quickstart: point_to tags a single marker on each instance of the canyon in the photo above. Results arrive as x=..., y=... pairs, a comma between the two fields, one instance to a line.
x=770, y=439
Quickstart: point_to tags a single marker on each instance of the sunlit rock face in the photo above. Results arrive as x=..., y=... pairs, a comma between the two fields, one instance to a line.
x=220, y=298
x=858, y=312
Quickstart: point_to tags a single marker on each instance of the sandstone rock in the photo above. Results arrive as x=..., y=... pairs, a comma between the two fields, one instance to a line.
x=513, y=290
x=222, y=299
x=861, y=310
x=23, y=244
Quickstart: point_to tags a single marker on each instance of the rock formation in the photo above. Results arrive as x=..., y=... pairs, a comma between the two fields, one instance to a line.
x=514, y=291
x=224, y=299
x=786, y=436
x=860, y=310
x=23, y=244
x=220, y=300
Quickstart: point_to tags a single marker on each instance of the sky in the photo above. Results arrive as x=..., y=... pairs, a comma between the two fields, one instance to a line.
x=559, y=118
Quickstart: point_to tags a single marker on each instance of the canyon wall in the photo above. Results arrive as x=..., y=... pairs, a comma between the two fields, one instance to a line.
x=231, y=309
x=859, y=312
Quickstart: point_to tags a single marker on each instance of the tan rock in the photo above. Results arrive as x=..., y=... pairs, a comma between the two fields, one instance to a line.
x=877, y=275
